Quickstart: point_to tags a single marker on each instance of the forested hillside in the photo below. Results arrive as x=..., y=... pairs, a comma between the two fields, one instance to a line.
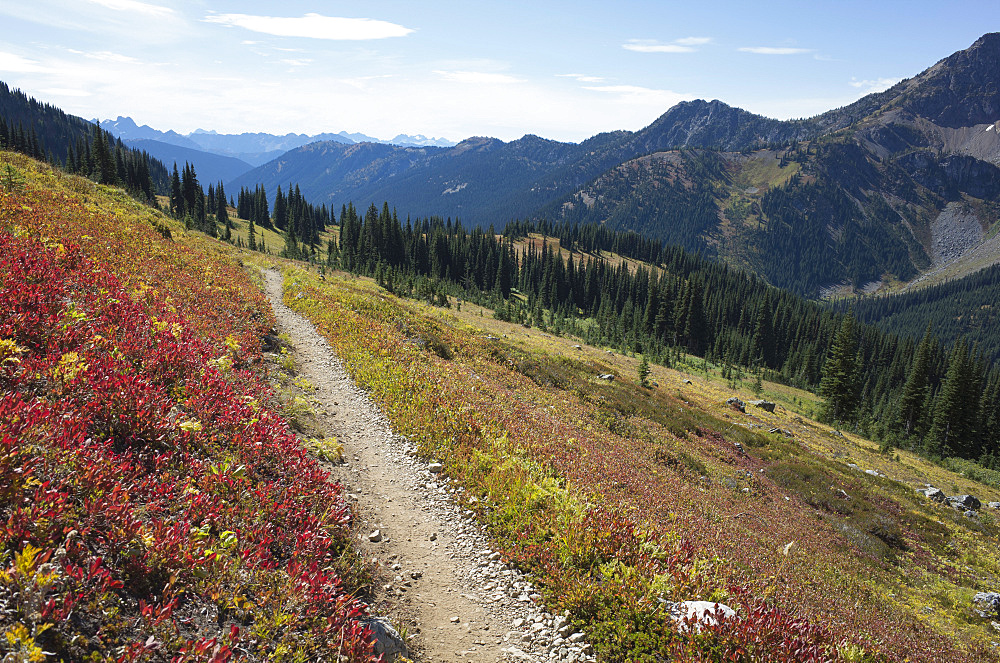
x=48, y=134
x=683, y=302
x=965, y=308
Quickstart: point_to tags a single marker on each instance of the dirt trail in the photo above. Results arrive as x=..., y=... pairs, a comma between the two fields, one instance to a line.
x=459, y=599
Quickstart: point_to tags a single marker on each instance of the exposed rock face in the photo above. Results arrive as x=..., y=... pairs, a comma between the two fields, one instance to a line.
x=962, y=89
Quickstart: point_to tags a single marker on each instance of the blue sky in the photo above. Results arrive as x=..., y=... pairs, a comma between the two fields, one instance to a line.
x=562, y=70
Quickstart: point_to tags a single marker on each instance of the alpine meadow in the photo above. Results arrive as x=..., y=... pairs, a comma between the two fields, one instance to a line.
x=720, y=388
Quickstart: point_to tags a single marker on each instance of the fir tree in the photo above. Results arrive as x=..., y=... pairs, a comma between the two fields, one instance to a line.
x=911, y=403
x=841, y=383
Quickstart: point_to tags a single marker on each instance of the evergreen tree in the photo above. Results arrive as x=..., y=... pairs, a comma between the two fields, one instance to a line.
x=911, y=403
x=644, y=371
x=841, y=383
x=176, y=194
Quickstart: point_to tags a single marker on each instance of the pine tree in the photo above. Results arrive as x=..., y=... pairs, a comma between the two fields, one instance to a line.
x=176, y=194
x=915, y=390
x=644, y=371
x=956, y=411
x=841, y=383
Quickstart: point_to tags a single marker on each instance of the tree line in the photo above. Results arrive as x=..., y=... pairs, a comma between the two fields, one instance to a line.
x=920, y=394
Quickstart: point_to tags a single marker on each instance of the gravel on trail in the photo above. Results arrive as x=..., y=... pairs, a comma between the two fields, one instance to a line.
x=437, y=575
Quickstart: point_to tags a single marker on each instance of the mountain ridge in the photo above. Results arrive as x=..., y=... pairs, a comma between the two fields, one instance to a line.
x=864, y=185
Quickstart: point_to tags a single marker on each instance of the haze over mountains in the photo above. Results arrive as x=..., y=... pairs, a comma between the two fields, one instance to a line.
x=222, y=157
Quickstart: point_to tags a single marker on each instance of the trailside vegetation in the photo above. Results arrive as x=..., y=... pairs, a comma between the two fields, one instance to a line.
x=152, y=504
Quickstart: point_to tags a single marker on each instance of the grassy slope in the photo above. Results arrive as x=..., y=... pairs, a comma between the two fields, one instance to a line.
x=881, y=566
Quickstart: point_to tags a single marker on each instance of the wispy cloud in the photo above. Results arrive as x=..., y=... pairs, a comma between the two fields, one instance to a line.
x=15, y=63
x=106, y=56
x=296, y=62
x=64, y=92
x=313, y=26
x=582, y=78
x=874, y=85
x=692, y=41
x=134, y=6
x=774, y=50
x=636, y=94
x=683, y=45
x=478, y=77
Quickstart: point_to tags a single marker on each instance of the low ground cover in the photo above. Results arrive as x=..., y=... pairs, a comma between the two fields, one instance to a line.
x=152, y=507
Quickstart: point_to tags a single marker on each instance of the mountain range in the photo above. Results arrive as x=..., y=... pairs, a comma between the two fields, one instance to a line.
x=878, y=192
x=223, y=157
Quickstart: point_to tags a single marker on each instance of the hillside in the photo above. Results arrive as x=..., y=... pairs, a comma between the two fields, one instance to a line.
x=617, y=499
x=211, y=168
x=965, y=307
x=154, y=504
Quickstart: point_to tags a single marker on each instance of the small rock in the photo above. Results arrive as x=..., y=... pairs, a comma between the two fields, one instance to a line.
x=375, y=536
x=455, y=619
x=434, y=536
x=934, y=494
x=694, y=614
x=387, y=640
x=606, y=376
x=688, y=382
x=435, y=468
x=994, y=505
x=737, y=404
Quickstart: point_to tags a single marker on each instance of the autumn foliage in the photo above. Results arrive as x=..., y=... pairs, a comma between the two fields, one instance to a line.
x=152, y=507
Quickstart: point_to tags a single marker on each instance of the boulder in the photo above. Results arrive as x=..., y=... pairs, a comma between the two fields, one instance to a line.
x=387, y=640
x=736, y=403
x=695, y=614
x=965, y=502
x=935, y=494
x=987, y=604
x=763, y=405
x=994, y=505
x=606, y=376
